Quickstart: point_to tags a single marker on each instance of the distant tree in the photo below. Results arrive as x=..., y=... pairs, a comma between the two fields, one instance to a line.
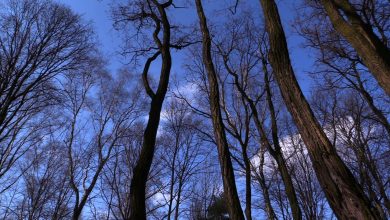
x=44, y=190
x=204, y=190
x=96, y=125
x=182, y=152
x=40, y=42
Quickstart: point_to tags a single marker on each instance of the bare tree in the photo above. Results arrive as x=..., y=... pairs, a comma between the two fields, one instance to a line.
x=339, y=65
x=45, y=190
x=78, y=141
x=243, y=56
x=258, y=173
x=359, y=139
x=204, y=189
x=153, y=15
x=335, y=178
x=110, y=117
x=40, y=41
x=230, y=190
x=182, y=155
x=355, y=26
x=310, y=195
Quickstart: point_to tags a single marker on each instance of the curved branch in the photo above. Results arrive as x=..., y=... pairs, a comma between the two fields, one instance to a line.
x=145, y=80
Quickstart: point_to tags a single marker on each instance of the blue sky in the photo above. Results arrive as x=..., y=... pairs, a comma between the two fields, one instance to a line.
x=98, y=13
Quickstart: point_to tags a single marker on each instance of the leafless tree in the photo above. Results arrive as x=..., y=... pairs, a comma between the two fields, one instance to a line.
x=94, y=129
x=361, y=141
x=230, y=190
x=207, y=186
x=44, y=188
x=182, y=154
x=151, y=15
x=243, y=53
x=310, y=195
x=339, y=65
x=358, y=23
x=78, y=140
x=40, y=41
x=335, y=177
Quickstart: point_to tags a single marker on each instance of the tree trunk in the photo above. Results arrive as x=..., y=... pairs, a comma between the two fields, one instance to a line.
x=277, y=153
x=375, y=54
x=141, y=170
x=261, y=179
x=248, y=187
x=142, y=167
x=172, y=181
x=178, y=197
x=230, y=190
x=344, y=194
x=76, y=214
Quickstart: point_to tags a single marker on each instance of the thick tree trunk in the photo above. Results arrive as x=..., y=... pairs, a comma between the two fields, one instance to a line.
x=344, y=194
x=375, y=54
x=76, y=214
x=141, y=170
x=229, y=185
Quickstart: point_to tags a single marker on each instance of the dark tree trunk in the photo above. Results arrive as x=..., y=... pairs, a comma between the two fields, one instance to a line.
x=142, y=167
x=76, y=214
x=230, y=190
x=141, y=170
x=178, y=197
x=374, y=53
x=344, y=194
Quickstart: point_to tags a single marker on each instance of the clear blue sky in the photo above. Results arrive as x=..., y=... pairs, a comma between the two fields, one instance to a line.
x=98, y=12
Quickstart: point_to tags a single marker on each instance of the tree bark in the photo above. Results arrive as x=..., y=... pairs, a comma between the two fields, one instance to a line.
x=344, y=194
x=229, y=185
x=374, y=53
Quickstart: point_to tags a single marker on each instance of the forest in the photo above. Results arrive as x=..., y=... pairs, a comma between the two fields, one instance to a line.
x=214, y=110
